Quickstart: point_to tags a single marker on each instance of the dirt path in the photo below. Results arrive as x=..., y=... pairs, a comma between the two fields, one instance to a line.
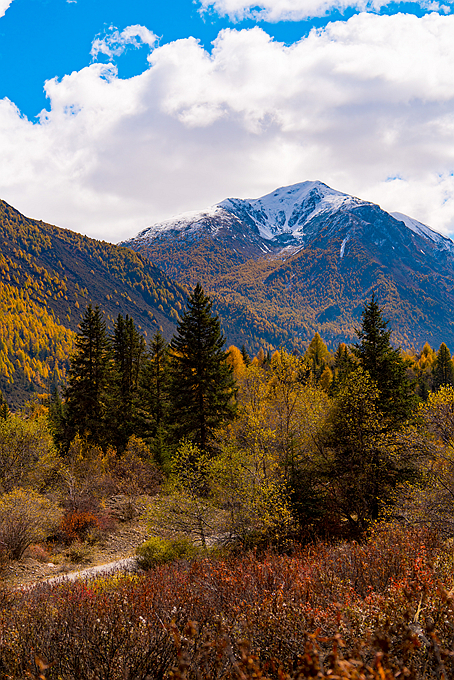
x=116, y=552
x=126, y=564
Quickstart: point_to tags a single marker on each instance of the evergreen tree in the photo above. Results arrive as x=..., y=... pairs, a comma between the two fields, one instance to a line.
x=57, y=423
x=443, y=370
x=245, y=355
x=368, y=461
x=385, y=366
x=88, y=380
x=153, y=398
x=202, y=386
x=344, y=364
x=127, y=349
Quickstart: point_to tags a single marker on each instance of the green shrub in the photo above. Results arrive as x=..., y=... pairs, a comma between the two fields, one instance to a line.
x=160, y=550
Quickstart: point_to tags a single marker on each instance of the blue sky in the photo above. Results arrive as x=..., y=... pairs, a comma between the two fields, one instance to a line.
x=114, y=115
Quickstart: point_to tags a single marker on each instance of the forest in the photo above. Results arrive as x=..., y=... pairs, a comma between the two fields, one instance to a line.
x=299, y=507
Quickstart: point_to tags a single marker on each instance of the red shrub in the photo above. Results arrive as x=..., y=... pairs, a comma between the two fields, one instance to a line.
x=76, y=525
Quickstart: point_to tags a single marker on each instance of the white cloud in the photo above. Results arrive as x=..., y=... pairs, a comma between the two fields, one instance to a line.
x=114, y=43
x=296, y=10
x=366, y=106
x=4, y=4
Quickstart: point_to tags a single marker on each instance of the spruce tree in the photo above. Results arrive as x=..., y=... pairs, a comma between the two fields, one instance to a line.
x=385, y=366
x=443, y=370
x=127, y=349
x=86, y=392
x=202, y=387
x=56, y=417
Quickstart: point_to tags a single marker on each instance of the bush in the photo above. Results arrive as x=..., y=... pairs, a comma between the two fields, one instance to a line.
x=79, y=553
x=161, y=550
x=27, y=456
x=76, y=525
x=26, y=517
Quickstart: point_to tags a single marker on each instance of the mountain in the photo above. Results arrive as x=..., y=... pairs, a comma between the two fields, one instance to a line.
x=48, y=277
x=306, y=258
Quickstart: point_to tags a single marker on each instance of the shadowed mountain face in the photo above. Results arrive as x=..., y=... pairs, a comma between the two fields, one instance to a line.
x=306, y=258
x=48, y=277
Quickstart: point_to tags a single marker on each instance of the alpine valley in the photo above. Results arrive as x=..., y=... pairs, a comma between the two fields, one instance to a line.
x=305, y=259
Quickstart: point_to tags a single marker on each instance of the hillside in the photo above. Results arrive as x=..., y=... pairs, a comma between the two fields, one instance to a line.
x=48, y=276
x=306, y=258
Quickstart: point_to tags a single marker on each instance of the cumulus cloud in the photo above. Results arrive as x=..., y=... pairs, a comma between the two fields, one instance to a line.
x=113, y=43
x=365, y=105
x=296, y=10
x=4, y=4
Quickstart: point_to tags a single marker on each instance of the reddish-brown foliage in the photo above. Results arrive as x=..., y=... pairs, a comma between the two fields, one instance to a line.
x=75, y=525
x=379, y=610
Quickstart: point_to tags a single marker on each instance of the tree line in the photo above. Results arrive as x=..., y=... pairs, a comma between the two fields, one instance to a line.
x=317, y=440
x=118, y=387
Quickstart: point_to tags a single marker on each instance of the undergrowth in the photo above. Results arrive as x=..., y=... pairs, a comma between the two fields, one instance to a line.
x=380, y=610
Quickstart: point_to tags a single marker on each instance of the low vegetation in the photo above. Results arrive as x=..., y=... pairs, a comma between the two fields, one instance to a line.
x=380, y=609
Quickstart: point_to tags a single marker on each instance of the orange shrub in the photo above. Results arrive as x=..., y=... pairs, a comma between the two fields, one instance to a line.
x=76, y=525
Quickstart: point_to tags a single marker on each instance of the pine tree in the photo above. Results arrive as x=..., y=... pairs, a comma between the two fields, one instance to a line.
x=385, y=366
x=202, y=384
x=88, y=380
x=127, y=349
x=443, y=370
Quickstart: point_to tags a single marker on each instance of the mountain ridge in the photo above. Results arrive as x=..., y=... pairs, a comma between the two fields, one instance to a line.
x=305, y=259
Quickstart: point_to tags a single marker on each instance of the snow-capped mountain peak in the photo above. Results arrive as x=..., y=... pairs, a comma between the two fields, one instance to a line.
x=424, y=231
x=288, y=209
x=288, y=219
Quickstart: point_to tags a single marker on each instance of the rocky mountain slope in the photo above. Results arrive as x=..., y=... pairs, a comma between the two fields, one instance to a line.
x=305, y=258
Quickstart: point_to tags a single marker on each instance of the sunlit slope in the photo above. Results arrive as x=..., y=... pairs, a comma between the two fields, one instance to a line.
x=48, y=276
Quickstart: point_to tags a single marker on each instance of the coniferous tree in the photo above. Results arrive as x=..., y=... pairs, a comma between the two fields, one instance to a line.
x=343, y=365
x=443, y=371
x=57, y=424
x=202, y=387
x=127, y=349
x=316, y=358
x=153, y=398
x=245, y=355
x=385, y=366
x=86, y=393
x=368, y=461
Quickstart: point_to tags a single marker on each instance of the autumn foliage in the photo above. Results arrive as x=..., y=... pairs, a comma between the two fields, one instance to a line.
x=383, y=609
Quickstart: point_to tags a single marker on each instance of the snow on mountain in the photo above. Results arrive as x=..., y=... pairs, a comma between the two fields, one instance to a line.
x=288, y=210
x=188, y=221
x=282, y=218
x=423, y=230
